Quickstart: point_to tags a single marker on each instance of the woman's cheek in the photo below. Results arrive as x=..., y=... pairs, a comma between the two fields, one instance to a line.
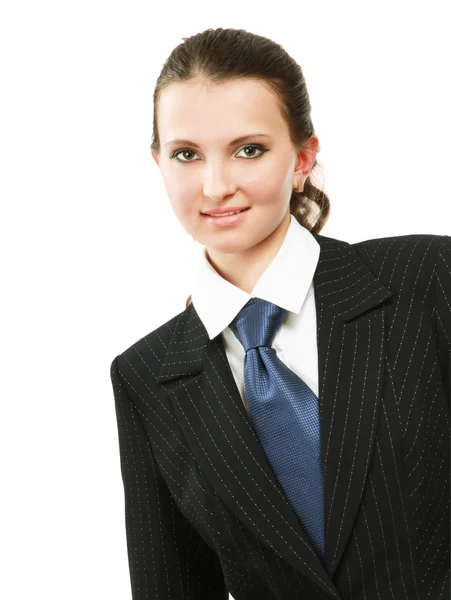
x=178, y=206
x=184, y=208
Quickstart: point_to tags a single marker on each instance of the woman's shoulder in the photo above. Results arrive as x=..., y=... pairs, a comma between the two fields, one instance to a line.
x=404, y=261
x=389, y=252
x=400, y=248
x=149, y=350
x=407, y=240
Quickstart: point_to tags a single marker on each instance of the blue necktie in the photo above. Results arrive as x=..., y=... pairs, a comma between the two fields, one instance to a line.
x=285, y=415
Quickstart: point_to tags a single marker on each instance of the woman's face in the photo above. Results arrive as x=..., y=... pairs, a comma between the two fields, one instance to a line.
x=206, y=169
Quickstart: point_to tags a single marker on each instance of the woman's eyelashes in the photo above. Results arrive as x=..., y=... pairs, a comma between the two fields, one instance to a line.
x=258, y=147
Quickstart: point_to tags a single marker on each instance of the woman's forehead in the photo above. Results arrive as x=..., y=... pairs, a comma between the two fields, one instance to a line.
x=237, y=106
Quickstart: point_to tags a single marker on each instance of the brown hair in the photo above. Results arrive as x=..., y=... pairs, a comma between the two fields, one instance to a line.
x=219, y=55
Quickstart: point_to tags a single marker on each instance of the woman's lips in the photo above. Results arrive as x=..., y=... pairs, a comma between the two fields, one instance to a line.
x=227, y=220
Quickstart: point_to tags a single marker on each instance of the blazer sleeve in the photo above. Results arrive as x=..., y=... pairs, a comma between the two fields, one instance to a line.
x=167, y=557
x=443, y=306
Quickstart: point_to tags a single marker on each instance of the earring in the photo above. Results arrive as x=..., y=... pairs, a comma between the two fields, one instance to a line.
x=300, y=186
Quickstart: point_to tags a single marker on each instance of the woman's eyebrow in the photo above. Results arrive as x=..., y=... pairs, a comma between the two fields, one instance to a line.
x=232, y=143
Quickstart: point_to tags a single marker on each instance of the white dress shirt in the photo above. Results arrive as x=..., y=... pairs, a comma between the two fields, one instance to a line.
x=286, y=282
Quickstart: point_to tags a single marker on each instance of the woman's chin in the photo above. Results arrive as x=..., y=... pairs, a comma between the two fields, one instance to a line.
x=229, y=247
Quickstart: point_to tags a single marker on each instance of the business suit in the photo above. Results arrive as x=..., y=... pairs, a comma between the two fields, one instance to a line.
x=204, y=512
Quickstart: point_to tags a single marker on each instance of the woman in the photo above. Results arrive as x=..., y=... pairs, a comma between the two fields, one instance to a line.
x=286, y=435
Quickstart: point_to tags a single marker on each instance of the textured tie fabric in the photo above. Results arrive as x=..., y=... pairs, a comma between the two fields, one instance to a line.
x=285, y=415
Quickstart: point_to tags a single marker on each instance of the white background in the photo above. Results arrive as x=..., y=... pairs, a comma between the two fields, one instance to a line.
x=94, y=259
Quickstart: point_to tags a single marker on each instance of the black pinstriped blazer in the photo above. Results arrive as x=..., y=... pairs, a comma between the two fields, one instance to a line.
x=204, y=513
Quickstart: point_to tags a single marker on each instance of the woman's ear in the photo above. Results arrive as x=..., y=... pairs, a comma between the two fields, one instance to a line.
x=156, y=158
x=305, y=158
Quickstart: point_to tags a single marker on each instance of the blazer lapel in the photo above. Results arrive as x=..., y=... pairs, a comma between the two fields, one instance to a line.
x=351, y=355
x=208, y=405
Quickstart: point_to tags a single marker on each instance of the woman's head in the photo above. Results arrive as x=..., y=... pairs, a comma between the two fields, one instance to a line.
x=217, y=86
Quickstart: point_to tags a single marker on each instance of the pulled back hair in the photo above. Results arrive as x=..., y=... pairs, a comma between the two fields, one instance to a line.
x=220, y=55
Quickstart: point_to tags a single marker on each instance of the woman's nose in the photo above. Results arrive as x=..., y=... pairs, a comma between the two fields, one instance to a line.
x=218, y=182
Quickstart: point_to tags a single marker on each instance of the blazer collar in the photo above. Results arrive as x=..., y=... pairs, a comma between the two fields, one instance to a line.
x=197, y=376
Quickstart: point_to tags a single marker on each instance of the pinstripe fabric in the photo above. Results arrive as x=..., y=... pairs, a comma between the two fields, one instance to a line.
x=204, y=513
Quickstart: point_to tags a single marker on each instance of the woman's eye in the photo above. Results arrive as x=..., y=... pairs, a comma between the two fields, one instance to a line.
x=259, y=149
x=182, y=151
x=189, y=152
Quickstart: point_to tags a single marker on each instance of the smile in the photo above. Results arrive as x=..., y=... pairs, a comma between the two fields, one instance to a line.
x=226, y=219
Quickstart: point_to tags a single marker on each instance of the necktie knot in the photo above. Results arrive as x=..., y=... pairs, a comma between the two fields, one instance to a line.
x=257, y=323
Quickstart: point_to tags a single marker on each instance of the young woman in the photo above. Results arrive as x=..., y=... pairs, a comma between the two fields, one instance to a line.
x=286, y=436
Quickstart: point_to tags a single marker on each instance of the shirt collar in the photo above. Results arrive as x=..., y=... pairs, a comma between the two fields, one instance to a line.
x=285, y=282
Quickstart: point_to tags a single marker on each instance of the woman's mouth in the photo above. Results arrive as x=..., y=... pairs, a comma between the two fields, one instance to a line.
x=225, y=219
